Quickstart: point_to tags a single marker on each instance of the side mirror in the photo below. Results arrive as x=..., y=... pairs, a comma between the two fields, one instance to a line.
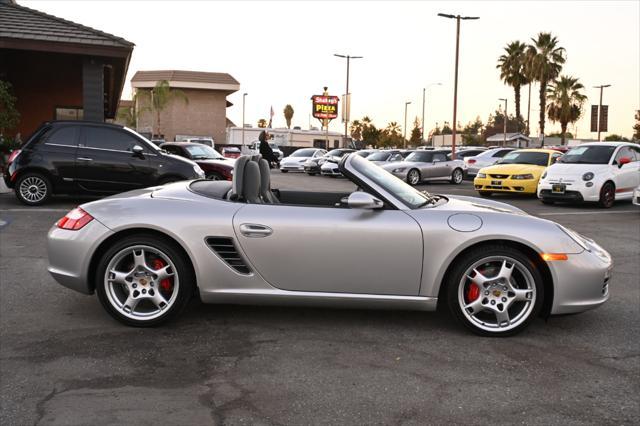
x=137, y=150
x=623, y=161
x=363, y=200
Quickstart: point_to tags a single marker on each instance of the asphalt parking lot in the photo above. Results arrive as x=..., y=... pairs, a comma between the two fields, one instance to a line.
x=64, y=361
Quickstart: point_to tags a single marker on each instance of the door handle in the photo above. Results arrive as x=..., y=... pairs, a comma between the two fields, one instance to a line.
x=252, y=230
x=84, y=159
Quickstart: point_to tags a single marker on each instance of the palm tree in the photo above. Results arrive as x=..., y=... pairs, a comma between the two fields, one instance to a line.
x=565, y=102
x=262, y=123
x=356, y=130
x=512, y=69
x=161, y=95
x=545, y=59
x=288, y=115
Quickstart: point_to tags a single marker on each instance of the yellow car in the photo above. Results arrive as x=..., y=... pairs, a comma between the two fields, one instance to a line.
x=519, y=172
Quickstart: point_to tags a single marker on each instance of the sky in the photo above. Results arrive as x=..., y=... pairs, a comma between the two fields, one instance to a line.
x=281, y=52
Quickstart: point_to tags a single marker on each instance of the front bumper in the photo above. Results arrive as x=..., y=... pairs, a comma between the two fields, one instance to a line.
x=330, y=171
x=69, y=254
x=528, y=186
x=574, y=191
x=581, y=282
x=292, y=167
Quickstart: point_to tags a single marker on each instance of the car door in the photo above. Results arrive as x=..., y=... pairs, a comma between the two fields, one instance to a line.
x=441, y=165
x=628, y=174
x=58, y=147
x=105, y=162
x=336, y=250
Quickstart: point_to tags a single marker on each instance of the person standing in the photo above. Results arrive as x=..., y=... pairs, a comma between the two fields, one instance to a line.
x=265, y=149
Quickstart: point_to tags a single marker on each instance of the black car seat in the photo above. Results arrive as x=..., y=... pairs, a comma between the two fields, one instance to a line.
x=251, y=183
x=238, y=178
x=265, y=183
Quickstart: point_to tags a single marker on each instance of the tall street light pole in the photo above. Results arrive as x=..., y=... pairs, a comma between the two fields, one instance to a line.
x=424, y=90
x=601, y=87
x=346, y=95
x=455, y=86
x=504, y=132
x=244, y=95
x=404, y=134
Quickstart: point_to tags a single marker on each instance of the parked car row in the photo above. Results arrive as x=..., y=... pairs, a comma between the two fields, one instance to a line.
x=601, y=172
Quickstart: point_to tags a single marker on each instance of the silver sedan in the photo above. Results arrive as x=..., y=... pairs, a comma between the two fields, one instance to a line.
x=422, y=166
x=146, y=252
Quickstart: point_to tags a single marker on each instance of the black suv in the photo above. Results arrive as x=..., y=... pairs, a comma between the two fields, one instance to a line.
x=68, y=157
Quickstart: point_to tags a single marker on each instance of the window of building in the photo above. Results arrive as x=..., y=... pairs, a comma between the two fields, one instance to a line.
x=76, y=113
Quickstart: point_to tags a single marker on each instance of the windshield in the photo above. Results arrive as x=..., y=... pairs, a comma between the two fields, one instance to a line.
x=203, y=152
x=337, y=153
x=588, y=155
x=303, y=153
x=379, y=156
x=524, y=157
x=274, y=146
x=364, y=154
x=410, y=196
x=419, y=156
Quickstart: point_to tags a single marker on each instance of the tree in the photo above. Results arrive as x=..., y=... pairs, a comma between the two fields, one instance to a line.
x=446, y=129
x=616, y=138
x=416, y=133
x=636, y=127
x=288, y=115
x=565, y=102
x=472, y=132
x=495, y=124
x=262, y=123
x=355, y=130
x=391, y=136
x=128, y=115
x=370, y=134
x=545, y=59
x=161, y=95
x=512, y=66
x=9, y=115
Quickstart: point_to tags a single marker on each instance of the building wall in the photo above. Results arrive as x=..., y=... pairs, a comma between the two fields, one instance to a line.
x=203, y=115
x=41, y=83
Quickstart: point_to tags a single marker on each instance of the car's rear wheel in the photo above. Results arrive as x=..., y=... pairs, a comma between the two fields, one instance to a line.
x=33, y=189
x=495, y=291
x=143, y=281
x=457, y=176
x=607, y=195
x=485, y=193
x=413, y=177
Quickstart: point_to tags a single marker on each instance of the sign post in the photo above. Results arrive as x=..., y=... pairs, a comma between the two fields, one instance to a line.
x=325, y=108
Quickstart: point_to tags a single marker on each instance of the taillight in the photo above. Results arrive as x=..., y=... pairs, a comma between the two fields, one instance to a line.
x=471, y=161
x=74, y=220
x=13, y=155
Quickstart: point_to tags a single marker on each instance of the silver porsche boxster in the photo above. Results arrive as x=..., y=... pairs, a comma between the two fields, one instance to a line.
x=147, y=252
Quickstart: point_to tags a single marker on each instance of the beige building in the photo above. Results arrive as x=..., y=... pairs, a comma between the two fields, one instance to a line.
x=201, y=112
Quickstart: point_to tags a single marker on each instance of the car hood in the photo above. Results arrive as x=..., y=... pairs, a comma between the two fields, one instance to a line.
x=403, y=164
x=513, y=169
x=180, y=159
x=575, y=170
x=294, y=160
x=474, y=204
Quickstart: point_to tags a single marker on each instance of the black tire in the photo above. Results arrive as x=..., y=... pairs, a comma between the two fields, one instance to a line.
x=607, y=195
x=547, y=202
x=186, y=279
x=33, y=189
x=485, y=193
x=459, y=270
x=284, y=171
x=413, y=177
x=169, y=179
x=214, y=176
x=457, y=176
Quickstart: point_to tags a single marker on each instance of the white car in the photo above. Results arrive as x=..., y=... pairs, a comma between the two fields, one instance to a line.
x=636, y=196
x=599, y=171
x=295, y=162
x=485, y=159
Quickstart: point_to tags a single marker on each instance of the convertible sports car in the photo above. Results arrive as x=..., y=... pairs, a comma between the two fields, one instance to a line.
x=146, y=252
x=422, y=166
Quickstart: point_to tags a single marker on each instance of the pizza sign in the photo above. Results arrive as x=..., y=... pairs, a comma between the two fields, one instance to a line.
x=325, y=107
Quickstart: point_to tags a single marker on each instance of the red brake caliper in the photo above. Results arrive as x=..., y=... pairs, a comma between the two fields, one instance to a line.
x=165, y=285
x=473, y=292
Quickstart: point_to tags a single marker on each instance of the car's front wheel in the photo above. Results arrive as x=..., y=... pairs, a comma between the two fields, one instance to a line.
x=33, y=189
x=607, y=195
x=495, y=291
x=143, y=281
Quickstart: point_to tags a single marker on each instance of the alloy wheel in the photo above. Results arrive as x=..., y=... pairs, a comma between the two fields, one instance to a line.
x=497, y=294
x=141, y=282
x=33, y=189
x=457, y=176
x=413, y=177
x=607, y=195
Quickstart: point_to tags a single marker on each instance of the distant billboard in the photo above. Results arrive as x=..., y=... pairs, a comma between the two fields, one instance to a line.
x=325, y=107
x=594, y=118
x=604, y=118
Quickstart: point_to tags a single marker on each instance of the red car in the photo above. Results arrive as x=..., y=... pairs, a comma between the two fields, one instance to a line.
x=231, y=152
x=215, y=166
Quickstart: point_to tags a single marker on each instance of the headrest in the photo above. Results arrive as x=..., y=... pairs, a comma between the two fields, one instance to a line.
x=265, y=177
x=238, y=175
x=251, y=183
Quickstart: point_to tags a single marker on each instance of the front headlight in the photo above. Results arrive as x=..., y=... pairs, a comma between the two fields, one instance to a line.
x=481, y=175
x=400, y=170
x=579, y=239
x=198, y=171
x=587, y=176
x=522, y=177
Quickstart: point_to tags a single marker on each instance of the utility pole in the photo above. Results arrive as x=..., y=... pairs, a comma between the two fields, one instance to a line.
x=244, y=95
x=347, y=100
x=455, y=86
x=601, y=87
x=424, y=90
x=504, y=134
x=404, y=134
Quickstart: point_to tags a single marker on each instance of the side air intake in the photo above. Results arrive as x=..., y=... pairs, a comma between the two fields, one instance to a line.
x=226, y=249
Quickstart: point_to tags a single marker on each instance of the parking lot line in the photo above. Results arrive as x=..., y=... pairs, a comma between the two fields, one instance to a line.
x=583, y=213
